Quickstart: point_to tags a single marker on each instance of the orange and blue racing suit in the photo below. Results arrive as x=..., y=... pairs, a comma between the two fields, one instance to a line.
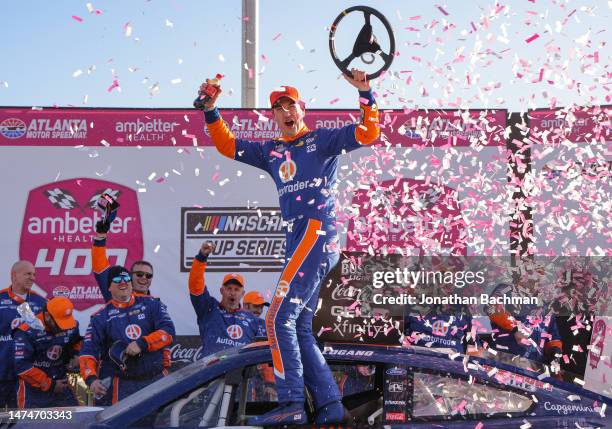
x=304, y=170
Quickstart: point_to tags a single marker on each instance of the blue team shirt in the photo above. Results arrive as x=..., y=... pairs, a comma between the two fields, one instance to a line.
x=128, y=323
x=48, y=352
x=9, y=320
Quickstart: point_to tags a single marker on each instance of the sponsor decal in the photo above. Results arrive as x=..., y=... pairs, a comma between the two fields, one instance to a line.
x=336, y=122
x=186, y=349
x=12, y=128
x=440, y=328
x=440, y=127
x=57, y=129
x=57, y=230
x=396, y=371
x=250, y=128
x=54, y=352
x=234, y=332
x=146, y=129
x=282, y=289
x=341, y=352
x=61, y=291
x=566, y=409
x=287, y=170
x=400, y=403
x=396, y=387
x=245, y=240
x=15, y=323
x=133, y=331
x=395, y=416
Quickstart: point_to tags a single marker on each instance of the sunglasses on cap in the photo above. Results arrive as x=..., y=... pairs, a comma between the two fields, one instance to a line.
x=123, y=278
x=142, y=274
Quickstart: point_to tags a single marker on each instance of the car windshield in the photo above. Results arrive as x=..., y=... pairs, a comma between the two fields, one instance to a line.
x=164, y=383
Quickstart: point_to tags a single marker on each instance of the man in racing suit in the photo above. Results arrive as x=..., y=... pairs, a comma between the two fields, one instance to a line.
x=303, y=166
x=222, y=324
x=130, y=332
x=142, y=277
x=524, y=330
x=23, y=275
x=42, y=354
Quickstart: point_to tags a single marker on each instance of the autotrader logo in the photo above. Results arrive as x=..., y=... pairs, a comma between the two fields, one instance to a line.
x=12, y=128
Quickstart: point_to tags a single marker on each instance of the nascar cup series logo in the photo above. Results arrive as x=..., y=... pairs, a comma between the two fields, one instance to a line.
x=57, y=231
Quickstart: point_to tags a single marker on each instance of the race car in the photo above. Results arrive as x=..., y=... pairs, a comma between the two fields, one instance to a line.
x=395, y=387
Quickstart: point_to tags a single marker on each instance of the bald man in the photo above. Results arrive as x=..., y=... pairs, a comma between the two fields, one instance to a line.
x=23, y=276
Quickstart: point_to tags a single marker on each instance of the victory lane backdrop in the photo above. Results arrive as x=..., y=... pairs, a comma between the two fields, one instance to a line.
x=176, y=191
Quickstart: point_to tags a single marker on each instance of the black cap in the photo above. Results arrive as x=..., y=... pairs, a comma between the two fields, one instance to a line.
x=117, y=270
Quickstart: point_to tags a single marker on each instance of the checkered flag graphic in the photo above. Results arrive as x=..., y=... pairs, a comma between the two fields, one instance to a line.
x=94, y=199
x=61, y=199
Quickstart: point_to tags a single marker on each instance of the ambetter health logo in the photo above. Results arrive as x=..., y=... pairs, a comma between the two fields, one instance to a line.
x=58, y=226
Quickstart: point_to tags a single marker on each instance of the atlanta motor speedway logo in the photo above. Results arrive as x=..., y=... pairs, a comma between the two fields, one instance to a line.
x=245, y=239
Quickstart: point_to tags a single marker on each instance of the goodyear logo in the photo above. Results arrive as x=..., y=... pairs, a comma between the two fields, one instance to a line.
x=245, y=239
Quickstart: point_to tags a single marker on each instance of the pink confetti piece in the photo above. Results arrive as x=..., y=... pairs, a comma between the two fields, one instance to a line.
x=532, y=38
x=114, y=85
x=441, y=9
x=334, y=101
x=301, y=274
x=77, y=18
x=277, y=36
x=276, y=154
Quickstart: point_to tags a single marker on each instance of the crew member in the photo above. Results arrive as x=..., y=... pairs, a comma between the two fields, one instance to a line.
x=43, y=354
x=23, y=276
x=222, y=324
x=130, y=332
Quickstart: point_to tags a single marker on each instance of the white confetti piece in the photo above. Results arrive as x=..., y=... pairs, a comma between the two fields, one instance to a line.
x=197, y=172
x=77, y=73
x=169, y=24
x=299, y=45
x=525, y=425
x=141, y=190
x=579, y=381
x=175, y=81
x=156, y=248
x=104, y=143
x=127, y=30
x=221, y=58
x=152, y=176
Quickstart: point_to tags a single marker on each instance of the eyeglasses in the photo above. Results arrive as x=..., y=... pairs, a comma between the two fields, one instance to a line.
x=142, y=274
x=123, y=278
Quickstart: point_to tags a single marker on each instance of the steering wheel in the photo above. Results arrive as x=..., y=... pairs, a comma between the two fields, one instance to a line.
x=365, y=43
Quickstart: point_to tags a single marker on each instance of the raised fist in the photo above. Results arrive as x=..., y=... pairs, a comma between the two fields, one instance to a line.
x=207, y=248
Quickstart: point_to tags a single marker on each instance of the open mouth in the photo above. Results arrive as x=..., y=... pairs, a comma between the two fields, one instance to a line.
x=289, y=123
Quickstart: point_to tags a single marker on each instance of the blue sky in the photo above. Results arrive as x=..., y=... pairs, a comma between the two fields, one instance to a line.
x=44, y=48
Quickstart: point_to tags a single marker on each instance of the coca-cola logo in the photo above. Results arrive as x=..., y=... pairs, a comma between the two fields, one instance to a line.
x=345, y=291
x=180, y=353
